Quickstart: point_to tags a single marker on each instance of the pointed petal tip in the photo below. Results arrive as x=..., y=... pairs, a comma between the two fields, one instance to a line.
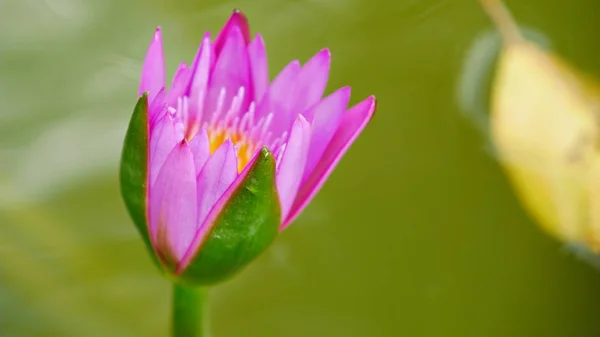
x=325, y=52
x=237, y=19
x=157, y=37
x=258, y=37
x=368, y=105
x=301, y=119
x=322, y=57
x=153, y=72
x=373, y=104
x=346, y=90
x=237, y=11
x=228, y=144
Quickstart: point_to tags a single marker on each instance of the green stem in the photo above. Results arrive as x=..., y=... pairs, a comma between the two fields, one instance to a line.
x=188, y=311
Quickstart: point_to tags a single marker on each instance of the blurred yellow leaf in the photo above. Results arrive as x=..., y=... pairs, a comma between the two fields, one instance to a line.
x=545, y=118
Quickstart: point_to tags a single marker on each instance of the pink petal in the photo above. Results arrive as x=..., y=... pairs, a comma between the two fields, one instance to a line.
x=327, y=116
x=231, y=72
x=279, y=99
x=291, y=164
x=198, y=83
x=259, y=67
x=205, y=227
x=179, y=84
x=205, y=46
x=313, y=80
x=153, y=69
x=236, y=20
x=200, y=147
x=157, y=108
x=218, y=174
x=173, y=205
x=163, y=139
x=351, y=125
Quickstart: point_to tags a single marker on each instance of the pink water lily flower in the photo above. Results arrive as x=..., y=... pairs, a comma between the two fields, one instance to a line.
x=217, y=115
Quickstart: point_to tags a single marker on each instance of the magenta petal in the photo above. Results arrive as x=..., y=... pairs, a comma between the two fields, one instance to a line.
x=173, y=206
x=205, y=46
x=179, y=84
x=218, y=173
x=351, y=125
x=231, y=72
x=313, y=80
x=259, y=67
x=279, y=99
x=236, y=20
x=291, y=164
x=200, y=147
x=163, y=139
x=327, y=116
x=153, y=69
x=157, y=108
x=198, y=84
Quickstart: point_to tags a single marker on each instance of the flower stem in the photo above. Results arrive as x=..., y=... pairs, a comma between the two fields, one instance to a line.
x=188, y=311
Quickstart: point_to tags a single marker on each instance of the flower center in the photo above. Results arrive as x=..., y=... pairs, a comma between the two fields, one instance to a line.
x=244, y=147
x=230, y=121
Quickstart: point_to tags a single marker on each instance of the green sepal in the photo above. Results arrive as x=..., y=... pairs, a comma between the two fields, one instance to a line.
x=133, y=173
x=245, y=227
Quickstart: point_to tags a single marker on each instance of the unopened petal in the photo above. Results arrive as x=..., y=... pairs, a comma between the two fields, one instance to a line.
x=217, y=174
x=259, y=67
x=351, y=125
x=179, y=84
x=231, y=72
x=236, y=20
x=173, y=205
x=153, y=69
x=292, y=163
x=200, y=74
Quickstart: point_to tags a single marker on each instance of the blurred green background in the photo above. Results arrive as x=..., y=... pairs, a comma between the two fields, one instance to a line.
x=417, y=233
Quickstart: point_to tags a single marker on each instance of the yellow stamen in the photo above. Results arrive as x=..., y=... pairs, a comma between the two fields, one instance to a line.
x=244, y=147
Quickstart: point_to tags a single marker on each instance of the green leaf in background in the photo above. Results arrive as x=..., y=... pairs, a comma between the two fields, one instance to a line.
x=247, y=225
x=134, y=171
